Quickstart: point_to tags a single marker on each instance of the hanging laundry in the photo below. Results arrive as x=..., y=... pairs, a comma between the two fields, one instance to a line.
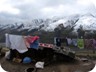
x=91, y=43
x=55, y=40
x=17, y=42
x=35, y=44
x=87, y=42
x=7, y=40
x=69, y=40
x=74, y=42
x=32, y=41
x=80, y=43
x=58, y=42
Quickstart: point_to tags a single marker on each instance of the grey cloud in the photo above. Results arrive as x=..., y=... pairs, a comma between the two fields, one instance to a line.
x=31, y=10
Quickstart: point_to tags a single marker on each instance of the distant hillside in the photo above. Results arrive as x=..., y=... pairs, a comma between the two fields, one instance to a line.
x=46, y=28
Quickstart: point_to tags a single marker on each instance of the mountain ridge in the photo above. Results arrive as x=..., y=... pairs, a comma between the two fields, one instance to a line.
x=88, y=21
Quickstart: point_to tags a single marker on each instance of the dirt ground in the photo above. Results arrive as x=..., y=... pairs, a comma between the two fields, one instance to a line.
x=53, y=67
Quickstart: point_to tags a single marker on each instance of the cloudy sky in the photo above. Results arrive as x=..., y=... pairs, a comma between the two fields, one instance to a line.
x=30, y=9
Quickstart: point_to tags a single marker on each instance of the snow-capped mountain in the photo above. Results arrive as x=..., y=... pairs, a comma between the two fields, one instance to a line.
x=88, y=21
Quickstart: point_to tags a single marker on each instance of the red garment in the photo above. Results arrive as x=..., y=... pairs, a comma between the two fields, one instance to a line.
x=31, y=39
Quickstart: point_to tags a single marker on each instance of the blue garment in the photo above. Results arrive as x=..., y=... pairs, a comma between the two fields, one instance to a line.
x=35, y=44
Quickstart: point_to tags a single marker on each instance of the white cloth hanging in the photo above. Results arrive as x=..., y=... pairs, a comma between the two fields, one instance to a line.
x=16, y=42
x=7, y=40
x=69, y=40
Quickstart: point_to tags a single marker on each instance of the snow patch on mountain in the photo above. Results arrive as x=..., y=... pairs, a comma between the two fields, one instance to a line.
x=52, y=26
x=88, y=22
